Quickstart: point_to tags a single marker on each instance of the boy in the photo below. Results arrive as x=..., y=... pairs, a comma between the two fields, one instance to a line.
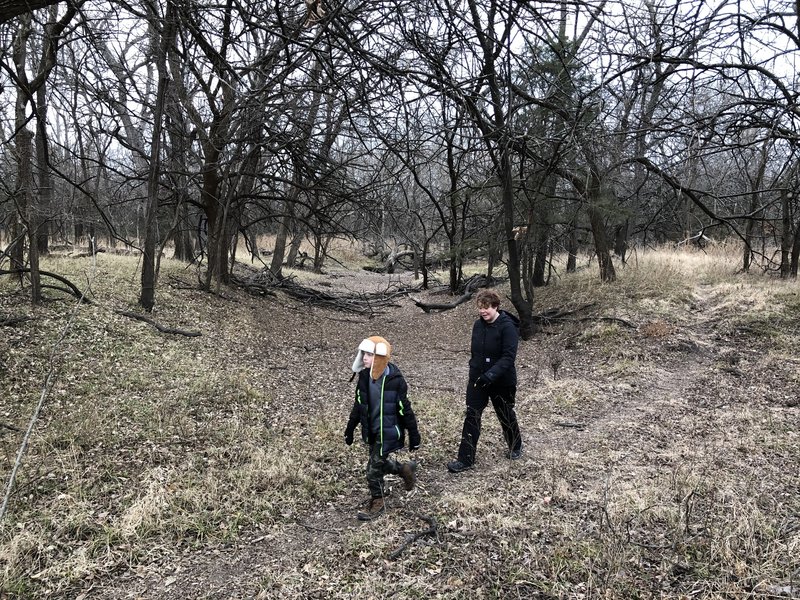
x=384, y=412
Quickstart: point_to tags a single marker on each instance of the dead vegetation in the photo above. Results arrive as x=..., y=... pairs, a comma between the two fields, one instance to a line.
x=660, y=461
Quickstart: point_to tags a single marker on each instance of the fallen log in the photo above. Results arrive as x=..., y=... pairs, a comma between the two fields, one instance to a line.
x=368, y=303
x=434, y=306
x=473, y=283
x=394, y=258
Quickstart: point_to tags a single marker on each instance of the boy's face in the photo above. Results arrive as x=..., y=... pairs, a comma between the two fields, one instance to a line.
x=368, y=358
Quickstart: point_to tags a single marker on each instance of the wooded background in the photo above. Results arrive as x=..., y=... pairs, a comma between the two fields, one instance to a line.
x=445, y=128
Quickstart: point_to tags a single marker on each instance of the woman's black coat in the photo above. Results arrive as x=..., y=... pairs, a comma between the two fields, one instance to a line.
x=494, y=350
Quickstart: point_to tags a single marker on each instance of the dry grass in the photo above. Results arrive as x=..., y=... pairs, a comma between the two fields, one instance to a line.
x=660, y=461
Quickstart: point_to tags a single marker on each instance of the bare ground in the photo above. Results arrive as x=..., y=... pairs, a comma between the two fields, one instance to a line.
x=660, y=460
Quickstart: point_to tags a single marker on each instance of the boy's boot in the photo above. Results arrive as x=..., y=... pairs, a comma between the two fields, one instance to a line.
x=408, y=473
x=374, y=509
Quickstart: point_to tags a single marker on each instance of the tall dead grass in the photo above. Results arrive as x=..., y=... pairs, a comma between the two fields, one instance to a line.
x=681, y=480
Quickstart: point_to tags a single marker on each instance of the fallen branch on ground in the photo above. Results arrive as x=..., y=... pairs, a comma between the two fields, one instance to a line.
x=161, y=328
x=179, y=284
x=8, y=322
x=547, y=317
x=568, y=424
x=86, y=253
x=73, y=289
x=558, y=315
x=432, y=306
x=610, y=320
x=475, y=282
x=264, y=282
x=413, y=537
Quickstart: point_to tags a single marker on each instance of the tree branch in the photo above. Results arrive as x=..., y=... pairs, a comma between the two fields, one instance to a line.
x=161, y=328
x=413, y=537
x=73, y=289
x=13, y=8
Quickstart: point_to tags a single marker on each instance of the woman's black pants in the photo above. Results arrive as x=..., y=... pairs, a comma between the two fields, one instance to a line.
x=502, y=398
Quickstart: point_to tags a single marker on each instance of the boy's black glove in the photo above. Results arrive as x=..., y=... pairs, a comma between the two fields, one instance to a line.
x=414, y=440
x=482, y=382
x=348, y=438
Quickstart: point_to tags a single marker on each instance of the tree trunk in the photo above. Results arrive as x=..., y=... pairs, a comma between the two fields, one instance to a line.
x=491, y=257
x=786, y=237
x=182, y=238
x=298, y=235
x=219, y=234
x=601, y=248
x=149, y=274
x=455, y=271
x=524, y=308
x=598, y=227
x=621, y=240
x=795, y=252
x=320, y=251
x=279, y=252
x=540, y=256
x=26, y=205
x=23, y=197
x=182, y=235
x=45, y=200
x=747, y=250
x=526, y=261
x=572, y=248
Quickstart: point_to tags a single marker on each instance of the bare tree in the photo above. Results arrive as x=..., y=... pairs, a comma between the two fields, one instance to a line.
x=28, y=209
x=162, y=41
x=14, y=8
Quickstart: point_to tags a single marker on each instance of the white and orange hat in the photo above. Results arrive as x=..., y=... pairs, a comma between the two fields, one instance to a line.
x=380, y=348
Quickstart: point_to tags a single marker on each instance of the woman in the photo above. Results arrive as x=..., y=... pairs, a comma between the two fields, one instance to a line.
x=492, y=376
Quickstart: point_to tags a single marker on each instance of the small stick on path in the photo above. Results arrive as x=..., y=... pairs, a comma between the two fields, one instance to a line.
x=570, y=424
x=413, y=537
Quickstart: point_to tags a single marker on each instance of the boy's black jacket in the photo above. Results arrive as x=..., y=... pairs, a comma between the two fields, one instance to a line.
x=494, y=350
x=398, y=415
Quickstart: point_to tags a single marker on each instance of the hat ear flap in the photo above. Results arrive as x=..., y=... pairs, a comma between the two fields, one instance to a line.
x=383, y=353
x=379, y=365
x=358, y=363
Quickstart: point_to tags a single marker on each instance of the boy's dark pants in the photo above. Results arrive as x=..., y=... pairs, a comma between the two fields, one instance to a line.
x=502, y=398
x=377, y=467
